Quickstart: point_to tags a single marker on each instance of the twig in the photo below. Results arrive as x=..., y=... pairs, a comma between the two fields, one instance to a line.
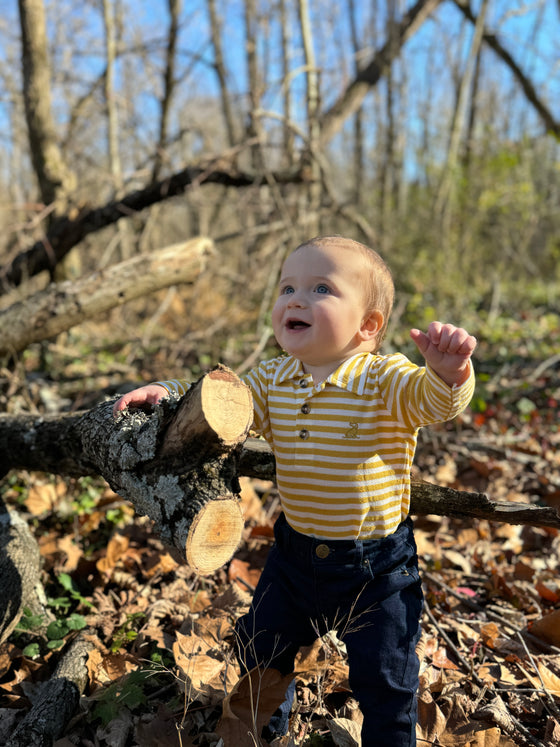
x=466, y=666
x=492, y=615
x=552, y=707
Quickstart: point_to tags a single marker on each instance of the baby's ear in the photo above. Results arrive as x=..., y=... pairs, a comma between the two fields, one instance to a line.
x=371, y=325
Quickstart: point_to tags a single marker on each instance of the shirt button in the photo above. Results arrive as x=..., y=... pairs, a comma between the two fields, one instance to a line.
x=306, y=409
x=304, y=434
x=302, y=383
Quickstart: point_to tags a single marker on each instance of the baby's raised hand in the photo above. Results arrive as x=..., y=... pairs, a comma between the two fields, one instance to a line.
x=144, y=395
x=447, y=350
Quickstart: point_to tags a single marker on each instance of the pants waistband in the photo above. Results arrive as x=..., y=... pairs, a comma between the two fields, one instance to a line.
x=304, y=546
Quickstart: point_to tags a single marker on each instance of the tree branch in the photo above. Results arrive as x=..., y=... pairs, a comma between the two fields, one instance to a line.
x=551, y=124
x=351, y=99
x=62, y=305
x=65, y=233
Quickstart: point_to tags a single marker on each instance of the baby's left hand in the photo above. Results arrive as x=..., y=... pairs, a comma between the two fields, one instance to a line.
x=447, y=350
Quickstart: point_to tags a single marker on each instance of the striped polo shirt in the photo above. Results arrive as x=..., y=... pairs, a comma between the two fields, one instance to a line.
x=344, y=447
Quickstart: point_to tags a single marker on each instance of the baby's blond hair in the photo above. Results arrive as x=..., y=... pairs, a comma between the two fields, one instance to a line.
x=378, y=283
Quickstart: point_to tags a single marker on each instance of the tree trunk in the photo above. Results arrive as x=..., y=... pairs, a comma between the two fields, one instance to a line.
x=57, y=699
x=177, y=465
x=55, y=180
x=20, y=578
x=168, y=86
x=55, y=443
x=62, y=305
x=221, y=72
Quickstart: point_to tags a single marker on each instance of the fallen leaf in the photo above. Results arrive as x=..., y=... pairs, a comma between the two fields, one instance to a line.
x=244, y=573
x=490, y=634
x=546, y=593
x=547, y=678
x=344, y=732
x=250, y=705
x=117, y=547
x=548, y=628
x=41, y=498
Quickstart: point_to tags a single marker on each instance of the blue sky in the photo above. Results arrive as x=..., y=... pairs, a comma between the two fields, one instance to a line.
x=79, y=22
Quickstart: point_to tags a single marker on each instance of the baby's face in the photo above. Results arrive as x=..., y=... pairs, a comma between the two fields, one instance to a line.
x=319, y=314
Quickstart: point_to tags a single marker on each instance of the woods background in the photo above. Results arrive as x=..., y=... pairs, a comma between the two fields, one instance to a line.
x=429, y=130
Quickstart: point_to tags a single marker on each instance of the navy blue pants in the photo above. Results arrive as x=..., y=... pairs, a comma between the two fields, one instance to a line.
x=370, y=593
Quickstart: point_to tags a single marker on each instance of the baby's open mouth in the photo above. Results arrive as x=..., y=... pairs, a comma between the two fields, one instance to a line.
x=296, y=324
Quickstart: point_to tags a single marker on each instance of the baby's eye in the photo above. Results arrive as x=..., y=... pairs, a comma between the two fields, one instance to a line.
x=286, y=289
x=322, y=288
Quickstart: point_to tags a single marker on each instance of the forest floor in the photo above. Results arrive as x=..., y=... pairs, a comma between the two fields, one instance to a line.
x=161, y=670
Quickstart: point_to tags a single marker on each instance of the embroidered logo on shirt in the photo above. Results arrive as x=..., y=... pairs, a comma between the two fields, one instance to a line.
x=352, y=432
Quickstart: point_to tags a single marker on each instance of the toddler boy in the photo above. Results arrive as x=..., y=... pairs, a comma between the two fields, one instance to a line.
x=342, y=422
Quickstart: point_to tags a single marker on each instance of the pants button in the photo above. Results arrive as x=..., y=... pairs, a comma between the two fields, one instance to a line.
x=321, y=551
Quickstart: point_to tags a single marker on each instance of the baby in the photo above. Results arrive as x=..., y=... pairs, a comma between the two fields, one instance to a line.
x=342, y=422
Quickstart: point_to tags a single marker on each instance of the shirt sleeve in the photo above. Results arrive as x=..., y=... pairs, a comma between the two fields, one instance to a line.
x=416, y=395
x=175, y=386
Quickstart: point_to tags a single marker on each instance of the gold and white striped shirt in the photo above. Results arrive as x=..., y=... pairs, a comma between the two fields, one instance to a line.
x=344, y=447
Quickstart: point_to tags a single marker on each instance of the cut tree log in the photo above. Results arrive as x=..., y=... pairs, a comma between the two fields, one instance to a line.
x=179, y=465
x=176, y=464
x=63, y=305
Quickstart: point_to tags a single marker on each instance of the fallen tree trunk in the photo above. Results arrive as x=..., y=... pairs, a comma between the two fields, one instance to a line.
x=177, y=465
x=64, y=444
x=20, y=574
x=57, y=699
x=63, y=305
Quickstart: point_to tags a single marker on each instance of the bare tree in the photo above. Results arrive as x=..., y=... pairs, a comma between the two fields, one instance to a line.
x=458, y=124
x=55, y=179
x=313, y=125
x=221, y=72
x=174, y=7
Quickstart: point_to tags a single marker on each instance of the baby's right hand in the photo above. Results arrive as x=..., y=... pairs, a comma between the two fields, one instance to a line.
x=144, y=395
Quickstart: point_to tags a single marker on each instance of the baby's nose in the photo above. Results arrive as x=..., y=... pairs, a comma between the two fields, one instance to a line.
x=296, y=299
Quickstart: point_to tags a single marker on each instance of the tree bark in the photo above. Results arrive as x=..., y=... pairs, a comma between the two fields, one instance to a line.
x=20, y=578
x=54, y=443
x=55, y=179
x=177, y=464
x=57, y=699
x=62, y=305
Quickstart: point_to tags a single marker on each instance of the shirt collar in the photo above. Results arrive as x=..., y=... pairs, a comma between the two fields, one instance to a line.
x=351, y=375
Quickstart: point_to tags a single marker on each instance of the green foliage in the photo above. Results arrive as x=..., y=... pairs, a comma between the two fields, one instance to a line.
x=86, y=499
x=65, y=602
x=319, y=740
x=29, y=621
x=59, y=629
x=127, y=632
x=55, y=634
x=127, y=693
